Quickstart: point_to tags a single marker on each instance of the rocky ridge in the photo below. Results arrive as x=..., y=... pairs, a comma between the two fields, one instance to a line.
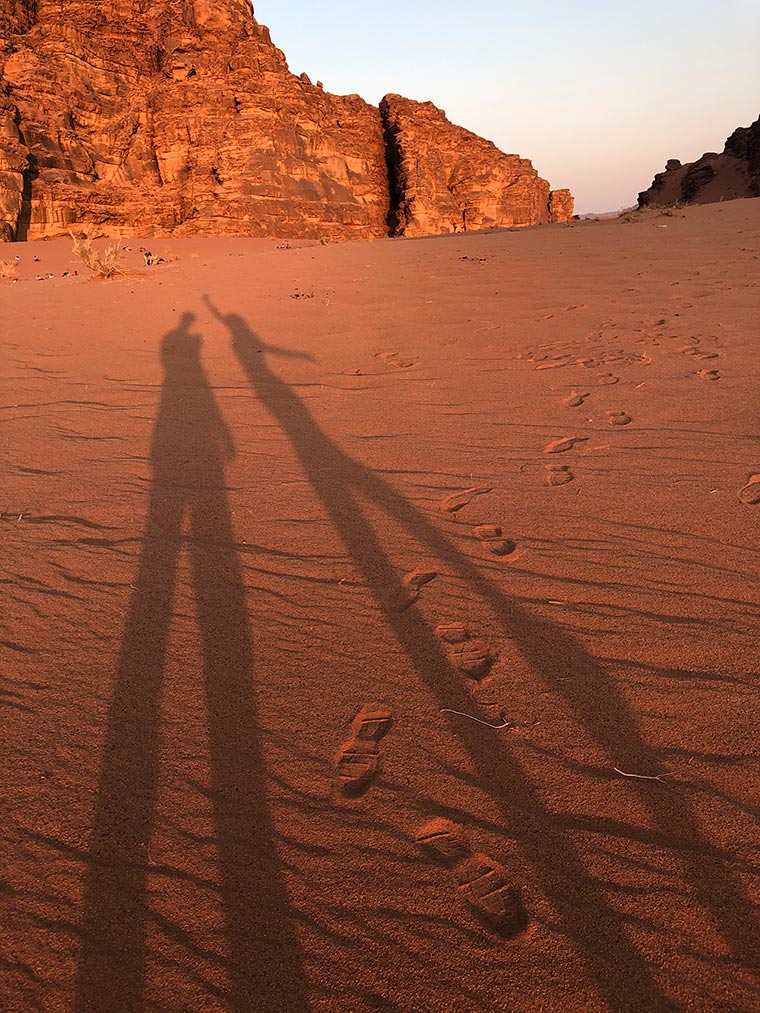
x=733, y=173
x=182, y=117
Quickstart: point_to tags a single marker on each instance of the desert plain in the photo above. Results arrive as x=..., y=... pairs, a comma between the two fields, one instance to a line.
x=501, y=490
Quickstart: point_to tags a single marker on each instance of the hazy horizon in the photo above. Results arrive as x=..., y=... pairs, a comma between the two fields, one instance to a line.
x=598, y=99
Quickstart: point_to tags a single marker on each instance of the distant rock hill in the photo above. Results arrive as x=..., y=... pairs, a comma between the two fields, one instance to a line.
x=713, y=177
x=160, y=117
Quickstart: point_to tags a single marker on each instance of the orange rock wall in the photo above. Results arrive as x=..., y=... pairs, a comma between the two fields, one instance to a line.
x=182, y=117
x=561, y=206
x=447, y=179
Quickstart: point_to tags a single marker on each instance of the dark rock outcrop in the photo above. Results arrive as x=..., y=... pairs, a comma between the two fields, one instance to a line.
x=182, y=117
x=744, y=144
x=713, y=177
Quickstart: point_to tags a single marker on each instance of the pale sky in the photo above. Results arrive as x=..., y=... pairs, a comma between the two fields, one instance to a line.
x=597, y=93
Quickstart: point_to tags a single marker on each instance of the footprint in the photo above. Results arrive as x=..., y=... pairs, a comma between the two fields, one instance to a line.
x=554, y=365
x=452, y=633
x=709, y=374
x=358, y=759
x=576, y=399
x=411, y=584
x=707, y=355
x=619, y=419
x=606, y=379
x=443, y=841
x=561, y=446
x=418, y=578
x=558, y=474
x=494, y=538
x=392, y=358
x=482, y=883
x=474, y=658
x=750, y=494
x=457, y=500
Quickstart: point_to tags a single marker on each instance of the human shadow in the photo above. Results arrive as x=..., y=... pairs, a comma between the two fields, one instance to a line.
x=190, y=447
x=585, y=915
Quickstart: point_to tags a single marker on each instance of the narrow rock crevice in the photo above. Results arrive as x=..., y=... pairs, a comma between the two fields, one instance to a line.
x=24, y=219
x=20, y=228
x=393, y=163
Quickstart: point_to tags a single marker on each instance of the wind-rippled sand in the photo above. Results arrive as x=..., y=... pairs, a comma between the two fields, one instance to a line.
x=380, y=623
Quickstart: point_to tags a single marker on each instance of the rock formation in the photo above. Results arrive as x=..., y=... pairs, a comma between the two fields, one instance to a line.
x=713, y=177
x=561, y=205
x=446, y=179
x=182, y=117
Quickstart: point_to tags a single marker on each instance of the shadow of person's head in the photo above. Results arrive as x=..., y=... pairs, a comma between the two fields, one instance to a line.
x=181, y=342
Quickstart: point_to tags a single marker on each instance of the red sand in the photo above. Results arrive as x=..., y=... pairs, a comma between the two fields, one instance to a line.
x=207, y=522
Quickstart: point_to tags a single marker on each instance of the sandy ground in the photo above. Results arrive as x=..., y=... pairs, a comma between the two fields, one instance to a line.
x=217, y=474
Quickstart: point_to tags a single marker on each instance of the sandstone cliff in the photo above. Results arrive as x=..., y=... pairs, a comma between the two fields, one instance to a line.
x=182, y=117
x=713, y=177
x=446, y=179
x=561, y=206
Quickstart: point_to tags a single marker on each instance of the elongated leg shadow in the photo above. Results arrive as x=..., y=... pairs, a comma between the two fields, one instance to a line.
x=190, y=447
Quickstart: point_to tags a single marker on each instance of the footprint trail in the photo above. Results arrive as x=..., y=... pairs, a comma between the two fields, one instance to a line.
x=481, y=882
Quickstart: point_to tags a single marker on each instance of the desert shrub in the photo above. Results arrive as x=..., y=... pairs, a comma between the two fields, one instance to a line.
x=104, y=263
x=9, y=270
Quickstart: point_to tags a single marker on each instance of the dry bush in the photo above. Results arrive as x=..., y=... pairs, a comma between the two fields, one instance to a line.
x=9, y=270
x=104, y=263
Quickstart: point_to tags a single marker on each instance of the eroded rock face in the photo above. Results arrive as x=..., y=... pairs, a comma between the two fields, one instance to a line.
x=182, y=117
x=446, y=179
x=713, y=177
x=561, y=206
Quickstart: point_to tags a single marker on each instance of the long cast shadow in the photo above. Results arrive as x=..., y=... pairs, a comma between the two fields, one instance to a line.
x=190, y=446
x=599, y=932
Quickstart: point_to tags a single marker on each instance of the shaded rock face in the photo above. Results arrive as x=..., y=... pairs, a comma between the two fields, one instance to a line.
x=744, y=144
x=713, y=177
x=181, y=117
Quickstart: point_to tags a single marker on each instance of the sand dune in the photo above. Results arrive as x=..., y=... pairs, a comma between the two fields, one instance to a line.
x=380, y=622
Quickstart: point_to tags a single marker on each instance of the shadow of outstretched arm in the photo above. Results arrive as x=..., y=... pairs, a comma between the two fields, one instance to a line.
x=230, y=321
